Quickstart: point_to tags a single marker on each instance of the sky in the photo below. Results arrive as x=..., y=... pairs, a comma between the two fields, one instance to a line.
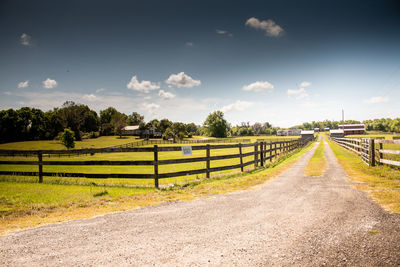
x=283, y=62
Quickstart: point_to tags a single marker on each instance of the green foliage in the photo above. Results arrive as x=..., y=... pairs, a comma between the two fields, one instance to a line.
x=245, y=129
x=176, y=131
x=135, y=119
x=383, y=125
x=68, y=138
x=215, y=125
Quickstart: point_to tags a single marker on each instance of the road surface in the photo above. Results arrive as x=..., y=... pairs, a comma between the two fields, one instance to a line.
x=291, y=220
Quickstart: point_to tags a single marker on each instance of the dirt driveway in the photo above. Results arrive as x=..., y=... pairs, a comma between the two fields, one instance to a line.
x=291, y=220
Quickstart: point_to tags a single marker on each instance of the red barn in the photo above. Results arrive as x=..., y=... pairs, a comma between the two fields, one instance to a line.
x=352, y=128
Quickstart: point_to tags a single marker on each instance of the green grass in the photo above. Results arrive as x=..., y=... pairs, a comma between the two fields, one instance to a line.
x=28, y=204
x=125, y=169
x=317, y=164
x=382, y=182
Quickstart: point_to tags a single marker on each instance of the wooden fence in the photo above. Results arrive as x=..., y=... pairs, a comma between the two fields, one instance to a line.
x=370, y=149
x=262, y=151
x=164, y=142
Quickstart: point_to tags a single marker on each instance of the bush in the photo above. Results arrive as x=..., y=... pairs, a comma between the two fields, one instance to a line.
x=68, y=138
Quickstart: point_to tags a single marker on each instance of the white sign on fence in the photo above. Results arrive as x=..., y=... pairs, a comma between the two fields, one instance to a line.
x=186, y=151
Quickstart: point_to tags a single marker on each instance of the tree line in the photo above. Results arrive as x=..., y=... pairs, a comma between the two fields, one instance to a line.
x=34, y=124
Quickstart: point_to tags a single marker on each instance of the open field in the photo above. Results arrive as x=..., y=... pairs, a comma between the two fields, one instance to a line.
x=381, y=182
x=125, y=169
x=28, y=204
x=317, y=164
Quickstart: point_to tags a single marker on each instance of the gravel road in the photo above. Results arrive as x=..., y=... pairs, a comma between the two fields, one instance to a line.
x=290, y=220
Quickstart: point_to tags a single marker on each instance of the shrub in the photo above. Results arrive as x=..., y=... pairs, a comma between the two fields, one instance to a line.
x=68, y=138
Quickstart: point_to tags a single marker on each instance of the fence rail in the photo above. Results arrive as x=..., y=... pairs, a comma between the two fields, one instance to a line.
x=370, y=149
x=262, y=151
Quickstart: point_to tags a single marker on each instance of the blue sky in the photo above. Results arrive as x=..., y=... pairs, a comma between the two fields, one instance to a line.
x=285, y=62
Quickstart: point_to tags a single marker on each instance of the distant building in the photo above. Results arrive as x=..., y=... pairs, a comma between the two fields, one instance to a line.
x=326, y=129
x=136, y=131
x=289, y=132
x=339, y=133
x=352, y=128
x=307, y=134
x=316, y=130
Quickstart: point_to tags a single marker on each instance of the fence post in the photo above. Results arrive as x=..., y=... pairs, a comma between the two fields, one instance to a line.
x=255, y=154
x=40, y=163
x=241, y=157
x=380, y=154
x=275, y=155
x=270, y=151
x=262, y=154
x=208, y=160
x=156, y=166
x=372, y=152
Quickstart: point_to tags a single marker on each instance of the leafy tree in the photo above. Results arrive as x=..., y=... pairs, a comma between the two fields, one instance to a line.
x=164, y=125
x=118, y=121
x=68, y=138
x=176, y=131
x=215, y=125
x=135, y=119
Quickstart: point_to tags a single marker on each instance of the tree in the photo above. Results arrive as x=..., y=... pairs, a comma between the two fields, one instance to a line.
x=135, y=119
x=176, y=131
x=68, y=138
x=118, y=121
x=215, y=125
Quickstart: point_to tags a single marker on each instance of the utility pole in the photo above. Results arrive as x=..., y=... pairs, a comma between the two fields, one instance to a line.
x=343, y=116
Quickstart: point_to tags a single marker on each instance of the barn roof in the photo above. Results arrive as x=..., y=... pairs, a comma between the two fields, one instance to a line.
x=307, y=132
x=131, y=128
x=337, y=131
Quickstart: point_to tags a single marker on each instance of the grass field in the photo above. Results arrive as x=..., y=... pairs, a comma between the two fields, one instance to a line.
x=381, y=182
x=317, y=164
x=28, y=204
x=108, y=141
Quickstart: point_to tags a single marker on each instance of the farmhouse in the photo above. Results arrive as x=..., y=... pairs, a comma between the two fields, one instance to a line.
x=307, y=135
x=352, y=128
x=134, y=130
x=290, y=132
x=338, y=133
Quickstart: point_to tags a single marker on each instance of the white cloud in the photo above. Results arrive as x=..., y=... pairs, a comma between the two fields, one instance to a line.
x=25, y=39
x=268, y=26
x=189, y=44
x=299, y=93
x=305, y=84
x=166, y=95
x=143, y=86
x=90, y=97
x=23, y=84
x=151, y=107
x=100, y=90
x=223, y=32
x=376, y=99
x=49, y=83
x=182, y=80
x=7, y=93
x=259, y=86
x=237, y=106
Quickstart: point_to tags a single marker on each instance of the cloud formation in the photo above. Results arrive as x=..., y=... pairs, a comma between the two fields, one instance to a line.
x=143, y=86
x=49, y=83
x=259, y=86
x=25, y=39
x=23, y=84
x=237, y=106
x=305, y=84
x=90, y=97
x=182, y=80
x=268, y=26
x=299, y=93
x=376, y=100
x=165, y=95
x=151, y=107
x=223, y=32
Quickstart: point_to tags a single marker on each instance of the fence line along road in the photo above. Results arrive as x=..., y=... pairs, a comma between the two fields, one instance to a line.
x=262, y=151
x=367, y=149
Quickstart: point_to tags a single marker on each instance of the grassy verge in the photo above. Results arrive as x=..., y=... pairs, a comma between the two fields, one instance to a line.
x=24, y=205
x=317, y=164
x=381, y=182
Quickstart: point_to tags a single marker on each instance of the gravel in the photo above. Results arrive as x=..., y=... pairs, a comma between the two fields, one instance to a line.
x=291, y=220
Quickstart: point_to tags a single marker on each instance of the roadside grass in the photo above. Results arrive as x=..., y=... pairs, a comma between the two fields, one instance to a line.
x=318, y=163
x=24, y=205
x=381, y=182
